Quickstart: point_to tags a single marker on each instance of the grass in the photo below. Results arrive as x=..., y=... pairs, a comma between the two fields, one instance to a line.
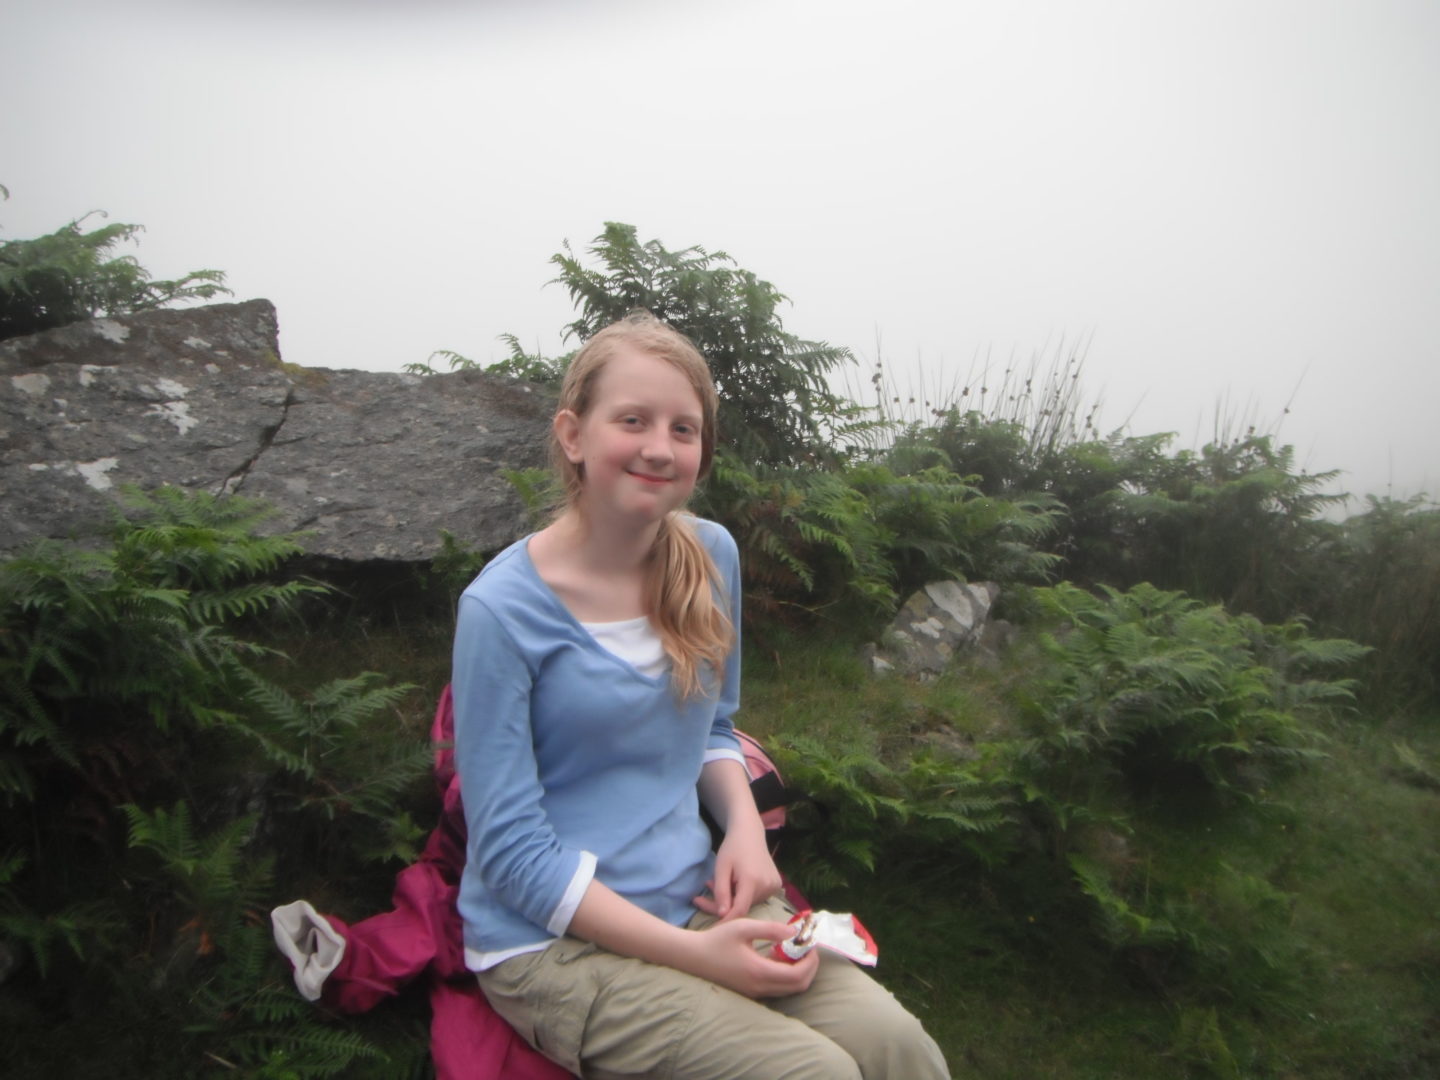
x=1001, y=963
x=1368, y=867
x=1348, y=987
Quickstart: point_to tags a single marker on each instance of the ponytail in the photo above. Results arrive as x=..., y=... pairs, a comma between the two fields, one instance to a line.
x=680, y=597
x=681, y=580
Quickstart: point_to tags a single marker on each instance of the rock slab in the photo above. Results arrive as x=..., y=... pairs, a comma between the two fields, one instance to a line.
x=371, y=465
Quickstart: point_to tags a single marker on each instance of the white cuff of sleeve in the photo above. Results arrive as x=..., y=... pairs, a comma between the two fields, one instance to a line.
x=310, y=943
x=574, y=892
x=723, y=753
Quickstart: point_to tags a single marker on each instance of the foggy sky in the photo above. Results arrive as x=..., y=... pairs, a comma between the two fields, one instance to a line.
x=1230, y=206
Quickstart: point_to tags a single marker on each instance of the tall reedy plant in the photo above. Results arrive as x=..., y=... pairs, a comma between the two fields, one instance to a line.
x=999, y=427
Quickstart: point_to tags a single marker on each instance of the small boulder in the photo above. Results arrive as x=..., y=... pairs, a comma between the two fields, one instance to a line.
x=934, y=625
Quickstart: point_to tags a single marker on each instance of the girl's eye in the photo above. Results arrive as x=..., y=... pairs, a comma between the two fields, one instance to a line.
x=685, y=431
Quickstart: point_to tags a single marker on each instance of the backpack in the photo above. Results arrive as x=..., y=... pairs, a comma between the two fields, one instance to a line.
x=766, y=785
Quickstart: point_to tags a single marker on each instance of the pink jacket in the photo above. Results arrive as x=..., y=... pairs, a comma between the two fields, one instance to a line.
x=421, y=935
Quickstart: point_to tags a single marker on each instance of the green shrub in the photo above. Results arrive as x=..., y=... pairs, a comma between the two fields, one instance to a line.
x=851, y=539
x=70, y=274
x=149, y=769
x=1163, y=693
x=115, y=654
x=531, y=367
x=776, y=405
x=1150, y=712
x=1384, y=590
x=1233, y=523
x=924, y=807
x=1208, y=933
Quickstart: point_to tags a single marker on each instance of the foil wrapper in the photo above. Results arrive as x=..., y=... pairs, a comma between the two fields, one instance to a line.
x=841, y=933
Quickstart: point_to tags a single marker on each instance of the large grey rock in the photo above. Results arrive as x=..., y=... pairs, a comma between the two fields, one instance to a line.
x=372, y=465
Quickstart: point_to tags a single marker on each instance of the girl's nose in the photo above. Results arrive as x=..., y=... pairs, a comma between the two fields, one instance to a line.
x=657, y=447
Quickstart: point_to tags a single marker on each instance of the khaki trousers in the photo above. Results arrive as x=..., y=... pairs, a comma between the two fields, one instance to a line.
x=601, y=1016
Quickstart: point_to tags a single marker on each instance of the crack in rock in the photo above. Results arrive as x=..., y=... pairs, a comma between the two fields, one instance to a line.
x=334, y=512
x=236, y=480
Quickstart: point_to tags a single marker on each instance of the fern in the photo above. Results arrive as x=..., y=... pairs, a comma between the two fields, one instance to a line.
x=860, y=535
x=538, y=489
x=78, y=925
x=1121, y=924
x=776, y=405
x=337, y=774
x=239, y=1018
x=126, y=684
x=134, y=630
x=301, y=1049
x=208, y=875
x=69, y=275
x=327, y=716
x=939, y=806
x=455, y=361
x=531, y=367
x=1144, y=682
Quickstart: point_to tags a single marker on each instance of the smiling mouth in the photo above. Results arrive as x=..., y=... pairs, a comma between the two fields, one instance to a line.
x=649, y=479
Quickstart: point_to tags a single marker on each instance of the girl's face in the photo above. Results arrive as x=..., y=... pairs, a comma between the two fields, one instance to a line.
x=639, y=441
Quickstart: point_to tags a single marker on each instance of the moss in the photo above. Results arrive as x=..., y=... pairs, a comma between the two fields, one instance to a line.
x=311, y=377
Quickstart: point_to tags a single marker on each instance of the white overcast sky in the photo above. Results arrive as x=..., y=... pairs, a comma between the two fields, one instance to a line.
x=1234, y=205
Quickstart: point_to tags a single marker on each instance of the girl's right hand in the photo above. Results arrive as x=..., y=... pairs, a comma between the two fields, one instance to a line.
x=726, y=955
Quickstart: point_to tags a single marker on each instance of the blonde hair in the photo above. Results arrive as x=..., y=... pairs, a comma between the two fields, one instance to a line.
x=681, y=577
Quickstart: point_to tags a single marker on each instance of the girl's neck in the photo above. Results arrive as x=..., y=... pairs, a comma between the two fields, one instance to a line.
x=598, y=574
x=596, y=545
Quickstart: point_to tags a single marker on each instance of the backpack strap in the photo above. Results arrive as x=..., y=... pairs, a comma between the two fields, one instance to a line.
x=770, y=792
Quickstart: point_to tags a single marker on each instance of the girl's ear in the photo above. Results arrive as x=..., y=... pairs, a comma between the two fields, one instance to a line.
x=567, y=434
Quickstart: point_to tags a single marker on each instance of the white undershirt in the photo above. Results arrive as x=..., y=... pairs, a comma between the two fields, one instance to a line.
x=633, y=640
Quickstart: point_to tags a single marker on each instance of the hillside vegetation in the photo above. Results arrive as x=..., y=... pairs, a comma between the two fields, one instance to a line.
x=1184, y=828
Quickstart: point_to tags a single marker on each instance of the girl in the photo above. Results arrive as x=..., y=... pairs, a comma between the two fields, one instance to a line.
x=596, y=671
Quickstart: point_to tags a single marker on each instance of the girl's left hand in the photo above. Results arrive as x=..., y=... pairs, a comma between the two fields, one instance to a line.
x=745, y=874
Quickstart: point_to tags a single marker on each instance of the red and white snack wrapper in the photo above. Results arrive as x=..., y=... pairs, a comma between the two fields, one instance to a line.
x=840, y=933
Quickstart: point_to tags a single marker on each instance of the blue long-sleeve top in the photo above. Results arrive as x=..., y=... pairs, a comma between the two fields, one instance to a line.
x=573, y=764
